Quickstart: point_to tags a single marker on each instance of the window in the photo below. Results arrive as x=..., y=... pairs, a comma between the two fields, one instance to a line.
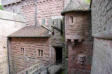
x=22, y=50
x=40, y=52
x=72, y=19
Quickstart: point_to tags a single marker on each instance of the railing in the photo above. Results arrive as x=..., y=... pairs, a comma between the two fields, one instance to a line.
x=37, y=68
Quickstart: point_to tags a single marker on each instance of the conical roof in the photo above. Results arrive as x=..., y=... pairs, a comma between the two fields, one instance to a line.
x=76, y=5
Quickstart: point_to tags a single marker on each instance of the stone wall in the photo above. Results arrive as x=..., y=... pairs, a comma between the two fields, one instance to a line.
x=101, y=15
x=46, y=10
x=79, y=42
x=102, y=57
x=76, y=26
x=101, y=24
x=56, y=38
x=23, y=59
x=9, y=23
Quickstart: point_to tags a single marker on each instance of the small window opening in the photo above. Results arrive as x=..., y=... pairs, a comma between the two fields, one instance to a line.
x=43, y=21
x=76, y=42
x=53, y=32
x=22, y=50
x=71, y=19
x=40, y=52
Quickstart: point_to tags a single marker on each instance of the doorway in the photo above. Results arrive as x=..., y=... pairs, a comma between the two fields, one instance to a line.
x=58, y=55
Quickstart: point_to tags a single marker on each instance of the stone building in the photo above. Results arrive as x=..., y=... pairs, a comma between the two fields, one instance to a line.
x=78, y=37
x=77, y=29
x=77, y=32
x=27, y=47
x=48, y=14
x=102, y=33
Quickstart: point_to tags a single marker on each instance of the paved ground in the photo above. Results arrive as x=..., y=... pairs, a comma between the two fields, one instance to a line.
x=55, y=68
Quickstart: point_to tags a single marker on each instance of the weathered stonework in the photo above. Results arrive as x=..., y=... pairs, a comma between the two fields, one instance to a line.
x=20, y=61
x=78, y=37
x=56, y=38
x=101, y=9
x=102, y=57
x=46, y=10
x=76, y=26
x=79, y=30
x=9, y=23
x=101, y=30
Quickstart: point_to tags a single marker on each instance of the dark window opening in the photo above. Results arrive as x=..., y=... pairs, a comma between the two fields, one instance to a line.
x=26, y=72
x=58, y=55
x=22, y=50
x=72, y=19
x=53, y=32
x=76, y=42
x=40, y=52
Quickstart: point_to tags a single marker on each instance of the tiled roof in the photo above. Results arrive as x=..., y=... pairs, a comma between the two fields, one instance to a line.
x=76, y=5
x=31, y=31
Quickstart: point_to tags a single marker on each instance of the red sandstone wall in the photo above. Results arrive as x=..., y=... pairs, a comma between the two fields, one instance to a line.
x=81, y=26
x=28, y=11
x=47, y=9
x=78, y=29
x=22, y=61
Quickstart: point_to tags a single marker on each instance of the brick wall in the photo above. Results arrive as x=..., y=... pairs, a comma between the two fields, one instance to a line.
x=20, y=60
x=101, y=17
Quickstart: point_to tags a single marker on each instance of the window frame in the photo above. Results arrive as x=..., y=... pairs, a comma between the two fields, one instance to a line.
x=40, y=53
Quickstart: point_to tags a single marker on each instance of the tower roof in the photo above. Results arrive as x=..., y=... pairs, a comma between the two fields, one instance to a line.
x=76, y=5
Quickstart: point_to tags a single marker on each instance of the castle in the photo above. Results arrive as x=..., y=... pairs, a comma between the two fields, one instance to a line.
x=64, y=34
x=71, y=38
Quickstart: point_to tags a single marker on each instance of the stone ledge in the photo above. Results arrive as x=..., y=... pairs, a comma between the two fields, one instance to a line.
x=11, y=16
x=103, y=35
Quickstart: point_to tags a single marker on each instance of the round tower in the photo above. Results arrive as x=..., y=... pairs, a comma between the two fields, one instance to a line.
x=76, y=20
x=78, y=36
